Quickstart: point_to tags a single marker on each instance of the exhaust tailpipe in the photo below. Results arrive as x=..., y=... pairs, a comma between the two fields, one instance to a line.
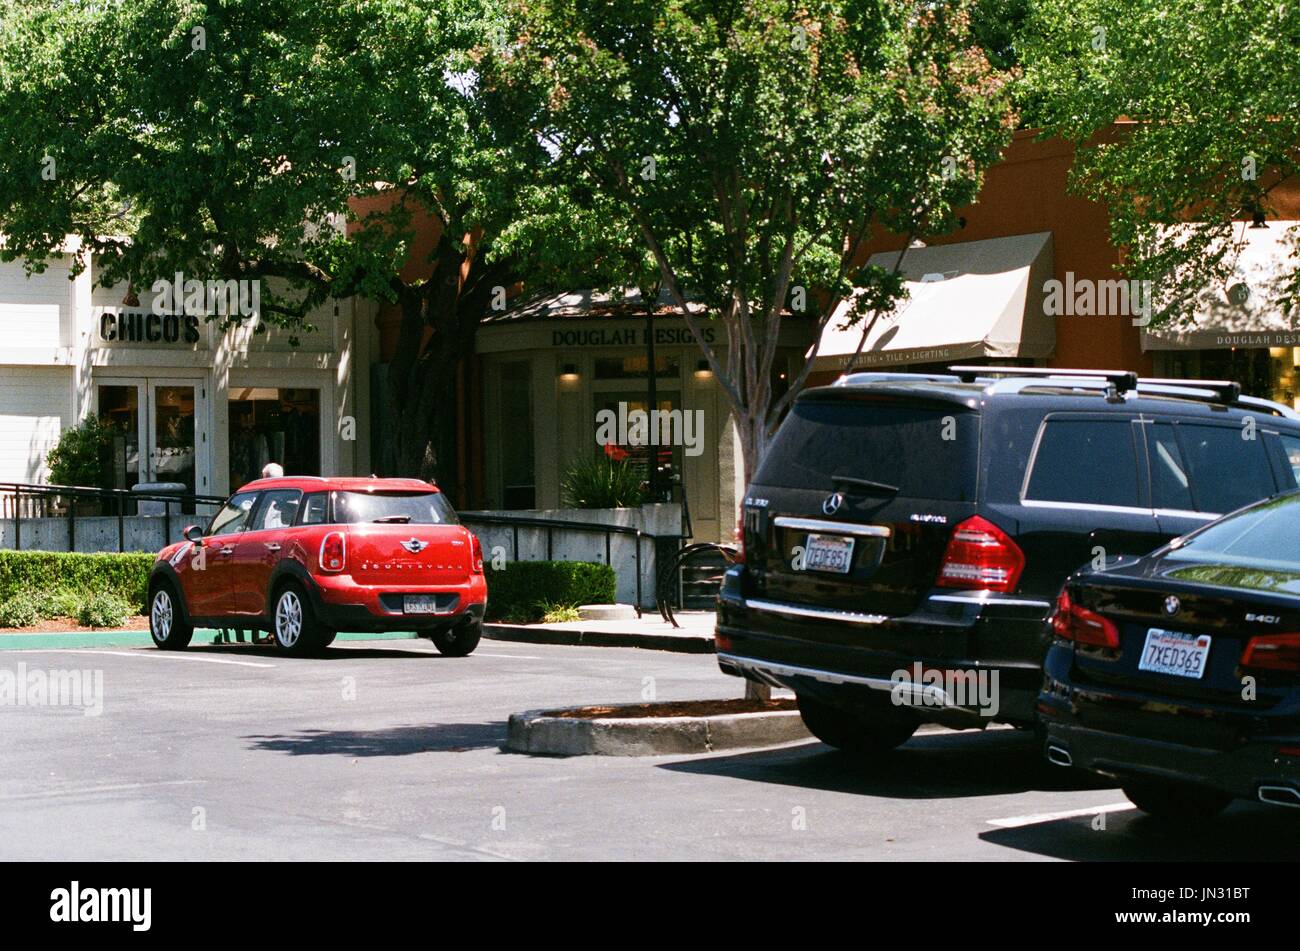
x=1060, y=756
x=1280, y=796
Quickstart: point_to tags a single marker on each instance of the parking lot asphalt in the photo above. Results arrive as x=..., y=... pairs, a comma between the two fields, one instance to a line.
x=386, y=750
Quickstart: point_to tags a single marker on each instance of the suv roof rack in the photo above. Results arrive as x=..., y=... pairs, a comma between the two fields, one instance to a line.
x=1121, y=379
x=854, y=377
x=1227, y=391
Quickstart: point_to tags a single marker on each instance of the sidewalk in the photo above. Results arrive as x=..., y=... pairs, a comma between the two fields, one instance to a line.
x=695, y=636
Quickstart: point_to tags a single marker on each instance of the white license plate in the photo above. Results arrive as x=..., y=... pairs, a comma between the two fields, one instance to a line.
x=828, y=553
x=1172, y=652
x=420, y=604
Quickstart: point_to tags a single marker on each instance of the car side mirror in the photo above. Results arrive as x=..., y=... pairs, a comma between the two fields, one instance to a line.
x=194, y=533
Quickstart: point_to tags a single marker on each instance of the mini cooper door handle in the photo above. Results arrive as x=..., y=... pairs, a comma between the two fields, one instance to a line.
x=272, y=546
x=227, y=551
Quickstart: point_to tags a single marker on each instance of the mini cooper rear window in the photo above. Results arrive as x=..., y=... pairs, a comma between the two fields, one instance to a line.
x=415, y=508
x=923, y=451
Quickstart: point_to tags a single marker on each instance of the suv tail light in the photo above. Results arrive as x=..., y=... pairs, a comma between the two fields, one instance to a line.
x=476, y=553
x=1272, y=652
x=333, y=552
x=739, y=536
x=1074, y=622
x=981, y=555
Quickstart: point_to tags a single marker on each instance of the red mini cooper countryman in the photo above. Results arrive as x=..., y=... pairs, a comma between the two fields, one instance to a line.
x=306, y=557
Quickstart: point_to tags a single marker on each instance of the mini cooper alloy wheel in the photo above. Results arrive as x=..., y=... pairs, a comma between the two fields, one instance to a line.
x=288, y=619
x=162, y=614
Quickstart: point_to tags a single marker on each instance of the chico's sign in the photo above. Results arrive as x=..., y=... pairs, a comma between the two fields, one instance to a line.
x=136, y=326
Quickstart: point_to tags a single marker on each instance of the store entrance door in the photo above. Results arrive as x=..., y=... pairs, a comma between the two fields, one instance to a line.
x=159, y=432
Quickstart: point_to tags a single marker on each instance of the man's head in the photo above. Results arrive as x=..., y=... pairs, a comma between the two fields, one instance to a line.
x=272, y=470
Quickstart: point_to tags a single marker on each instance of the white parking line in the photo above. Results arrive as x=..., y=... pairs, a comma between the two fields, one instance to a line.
x=89, y=790
x=159, y=655
x=1017, y=821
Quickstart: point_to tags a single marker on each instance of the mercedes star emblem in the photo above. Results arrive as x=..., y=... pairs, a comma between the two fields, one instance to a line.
x=833, y=503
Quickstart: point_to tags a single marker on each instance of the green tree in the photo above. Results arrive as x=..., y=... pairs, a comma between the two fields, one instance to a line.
x=247, y=140
x=753, y=147
x=1184, y=116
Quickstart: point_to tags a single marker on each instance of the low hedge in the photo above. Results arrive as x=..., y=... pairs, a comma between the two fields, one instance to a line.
x=123, y=575
x=522, y=591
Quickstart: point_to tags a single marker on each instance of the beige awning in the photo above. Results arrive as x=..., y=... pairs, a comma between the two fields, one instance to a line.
x=1245, y=310
x=967, y=300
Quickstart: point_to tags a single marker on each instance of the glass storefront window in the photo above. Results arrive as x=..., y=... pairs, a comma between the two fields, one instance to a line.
x=1262, y=372
x=634, y=367
x=119, y=410
x=518, y=478
x=273, y=424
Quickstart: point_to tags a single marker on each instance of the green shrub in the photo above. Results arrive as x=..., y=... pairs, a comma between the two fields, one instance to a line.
x=21, y=610
x=60, y=603
x=104, y=609
x=77, y=458
x=125, y=575
x=601, y=483
x=524, y=591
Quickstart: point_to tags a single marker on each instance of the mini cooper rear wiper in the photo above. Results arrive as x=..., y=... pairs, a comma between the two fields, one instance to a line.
x=393, y=518
x=863, y=485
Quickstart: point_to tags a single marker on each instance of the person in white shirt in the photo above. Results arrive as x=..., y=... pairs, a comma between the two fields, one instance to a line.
x=273, y=470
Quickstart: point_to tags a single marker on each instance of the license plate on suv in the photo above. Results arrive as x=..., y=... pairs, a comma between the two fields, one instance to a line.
x=1172, y=652
x=420, y=604
x=828, y=553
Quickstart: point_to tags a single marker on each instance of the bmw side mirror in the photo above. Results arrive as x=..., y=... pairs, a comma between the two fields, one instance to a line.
x=194, y=533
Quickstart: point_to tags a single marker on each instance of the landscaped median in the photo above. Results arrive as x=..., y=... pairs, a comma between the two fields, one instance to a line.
x=41, y=590
x=46, y=589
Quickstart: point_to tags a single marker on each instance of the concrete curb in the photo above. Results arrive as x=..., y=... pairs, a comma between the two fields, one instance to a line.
x=593, y=637
x=534, y=732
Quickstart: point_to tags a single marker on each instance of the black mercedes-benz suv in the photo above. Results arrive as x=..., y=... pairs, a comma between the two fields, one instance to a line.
x=906, y=536
x=1179, y=673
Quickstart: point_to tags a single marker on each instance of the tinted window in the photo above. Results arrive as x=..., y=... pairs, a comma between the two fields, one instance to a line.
x=1090, y=461
x=925, y=452
x=1265, y=535
x=1291, y=447
x=233, y=514
x=1171, y=486
x=314, y=508
x=417, y=508
x=278, y=509
x=1227, y=470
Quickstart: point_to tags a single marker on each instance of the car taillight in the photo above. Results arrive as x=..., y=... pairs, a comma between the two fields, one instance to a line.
x=476, y=553
x=1074, y=622
x=739, y=536
x=981, y=555
x=333, y=552
x=1272, y=652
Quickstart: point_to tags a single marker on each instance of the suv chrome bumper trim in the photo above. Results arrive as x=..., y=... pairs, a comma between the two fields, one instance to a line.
x=988, y=597
x=841, y=528
x=795, y=610
x=918, y=693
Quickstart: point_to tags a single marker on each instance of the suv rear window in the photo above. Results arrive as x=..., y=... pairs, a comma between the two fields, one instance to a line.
x=1092, y=461
x=927, y=452
x=415, y=508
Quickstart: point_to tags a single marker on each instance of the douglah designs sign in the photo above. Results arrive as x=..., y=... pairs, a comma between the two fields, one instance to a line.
x=626, y=336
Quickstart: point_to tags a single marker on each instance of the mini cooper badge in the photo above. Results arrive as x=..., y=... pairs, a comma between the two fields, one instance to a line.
x=833, y=503
x=414, y=545
x=1171, y=605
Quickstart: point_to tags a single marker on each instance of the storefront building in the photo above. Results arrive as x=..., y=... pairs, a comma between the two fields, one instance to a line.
x=188, y=401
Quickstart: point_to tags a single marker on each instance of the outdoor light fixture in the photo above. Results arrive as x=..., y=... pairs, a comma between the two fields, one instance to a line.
x=569, y=372
x=702, y=370
x=1258, y=220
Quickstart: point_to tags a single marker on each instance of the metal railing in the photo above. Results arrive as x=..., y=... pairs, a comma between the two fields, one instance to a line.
x=515, y=522
x=22, y=502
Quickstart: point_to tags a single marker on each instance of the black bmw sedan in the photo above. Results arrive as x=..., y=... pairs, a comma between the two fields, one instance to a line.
x=1178, y=673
